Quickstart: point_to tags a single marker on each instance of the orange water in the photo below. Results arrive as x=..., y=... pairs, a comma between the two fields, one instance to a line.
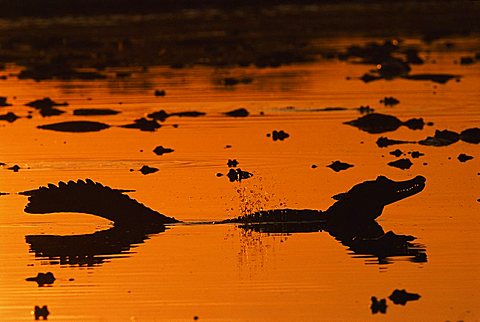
x=222, y=273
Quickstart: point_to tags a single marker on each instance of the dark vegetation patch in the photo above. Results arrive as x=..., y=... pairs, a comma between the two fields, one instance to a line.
x=236, y=33
x=56, y=69
x=75, y=126
x=338, y=166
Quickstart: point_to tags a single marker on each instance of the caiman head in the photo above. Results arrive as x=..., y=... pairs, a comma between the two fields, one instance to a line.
x=365, y=201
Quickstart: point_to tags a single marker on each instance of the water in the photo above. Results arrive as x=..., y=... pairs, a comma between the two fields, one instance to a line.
x=222, y=272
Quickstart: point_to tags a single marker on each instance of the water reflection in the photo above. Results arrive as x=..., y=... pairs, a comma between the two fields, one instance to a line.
x=365, y=240
x=88, y=249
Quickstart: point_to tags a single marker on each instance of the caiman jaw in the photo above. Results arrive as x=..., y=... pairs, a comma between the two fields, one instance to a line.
x=407, y=188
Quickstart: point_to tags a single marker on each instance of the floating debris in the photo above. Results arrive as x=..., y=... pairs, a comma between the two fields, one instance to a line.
x=380, y=123
x=75, y=126
x=467, y=60
x=471, y=135
x=14, y=168
x=232, y=81
x=238, y=175
x=436, y=78
x=147, y=170
x=403, y=164
x=338, y=166
x=389, y=101
x=46, y=106
x=162, y=115
x=42, y=278
x=160, y=92
x=365, y=109
x=45, y=102
x=10, y=117
x=402, y=297
x=143, y=125
x=278, y=135
x=240, y=112
x=95, y=111
x=41, y=312
x=464, y=157
x=378, y=306
x=160, y=150
x=396, y=153
x=441, y=138
x=232, y=163
x=52, y=70
x=383, y=142
x=3, y=102
x=416, y=154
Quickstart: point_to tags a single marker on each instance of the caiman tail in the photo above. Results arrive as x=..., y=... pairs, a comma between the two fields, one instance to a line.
x=93, y=198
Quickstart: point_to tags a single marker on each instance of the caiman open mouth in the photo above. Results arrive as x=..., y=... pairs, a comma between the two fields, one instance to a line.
x=408, y=188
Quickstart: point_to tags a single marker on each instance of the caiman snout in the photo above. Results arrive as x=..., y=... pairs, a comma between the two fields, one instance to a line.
x=403, y=189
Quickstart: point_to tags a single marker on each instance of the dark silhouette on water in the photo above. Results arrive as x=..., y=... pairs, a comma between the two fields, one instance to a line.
x=95, y=111
x=46, y=106
x=41, y=312
x=10, y=117
x=440, y=138
x=402, y=297
x=42, y=279
x=75, y=126
x=351, y=220
x=380, y=123
x=338, y=166
x=378, y=306
x=403, y=164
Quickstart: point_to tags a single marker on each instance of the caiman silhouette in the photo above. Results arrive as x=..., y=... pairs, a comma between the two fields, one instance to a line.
x=351, y=220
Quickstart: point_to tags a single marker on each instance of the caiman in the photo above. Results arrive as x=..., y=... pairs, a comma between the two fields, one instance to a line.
x=351, y=219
